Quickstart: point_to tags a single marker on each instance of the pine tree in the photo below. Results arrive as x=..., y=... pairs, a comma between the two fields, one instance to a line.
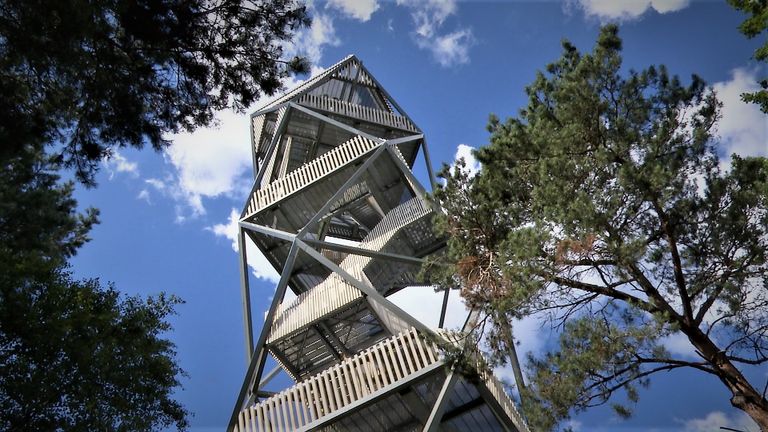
x=604, y=202
x=86, y=77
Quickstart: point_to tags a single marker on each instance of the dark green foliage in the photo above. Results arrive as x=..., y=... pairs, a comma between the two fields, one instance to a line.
x=89, y=76
x=73, y=355
x=756, y=24
x=79, y=79
x=77, y=356
x=41, y=228
x=604, y=204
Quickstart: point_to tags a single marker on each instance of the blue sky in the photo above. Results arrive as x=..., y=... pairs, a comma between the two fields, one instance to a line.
x=168, y=217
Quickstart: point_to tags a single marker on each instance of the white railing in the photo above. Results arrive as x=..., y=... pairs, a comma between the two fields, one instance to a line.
x=257, y=126
x=459, y=339
x=400, y=155
x=363, y=375
x=334, y=292
x=271, y=162
x=309, y=173
x=497, y=390
x=356, y=111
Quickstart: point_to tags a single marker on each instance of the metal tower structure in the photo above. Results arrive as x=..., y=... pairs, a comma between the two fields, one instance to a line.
x=336, y=208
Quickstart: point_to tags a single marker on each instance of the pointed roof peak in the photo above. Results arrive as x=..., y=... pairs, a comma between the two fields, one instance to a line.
x=311, y=82
x=331, y=83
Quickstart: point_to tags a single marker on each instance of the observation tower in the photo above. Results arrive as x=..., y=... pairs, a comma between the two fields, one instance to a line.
x=337, y=210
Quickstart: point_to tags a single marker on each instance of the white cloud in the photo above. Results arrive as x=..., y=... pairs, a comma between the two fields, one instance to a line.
x=216, y=161
x=260, y=267
x=144, y=195
x=464, y=151
x=211, y=162
x=117, y=163
x=188, y=204
x=716, y=419
x=424, y=304
x=450, y=49
x=309, y=42
x=627, y=9
x=575, y=425
x=428, y=16
x=679, y=345
x=357, y=9
x=743, y=128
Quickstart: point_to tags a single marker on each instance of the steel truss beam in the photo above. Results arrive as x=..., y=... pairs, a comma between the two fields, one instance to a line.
x=367, y=290
x=286, y=236
x=336, y=196
x=336, y=123
x=433, y=422
x=416, y=187
x=282, y=123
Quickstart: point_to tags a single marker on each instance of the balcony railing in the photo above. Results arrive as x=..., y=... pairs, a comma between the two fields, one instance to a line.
x=364, y=375
x=309, y=173
x=496, y=389
x=358, y=112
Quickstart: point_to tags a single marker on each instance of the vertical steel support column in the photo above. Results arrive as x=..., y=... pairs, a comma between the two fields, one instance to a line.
x=444, y=308
x=428, y=162
x=245, y=292
x=514, y=362
x=256, y=367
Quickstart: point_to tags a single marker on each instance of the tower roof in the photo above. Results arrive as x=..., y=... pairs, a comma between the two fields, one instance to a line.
x=350, y=72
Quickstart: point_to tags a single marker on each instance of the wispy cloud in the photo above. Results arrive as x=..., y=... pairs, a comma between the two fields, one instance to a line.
x=117, y=163
x=447, y=48
x=144, y=195
x=625, y=10
x=311, y=41
x=187, y=203
x=357, y=9
x=717, y=419
x=260, y=267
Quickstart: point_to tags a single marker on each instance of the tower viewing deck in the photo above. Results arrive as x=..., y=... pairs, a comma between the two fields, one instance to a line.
x=337, y=210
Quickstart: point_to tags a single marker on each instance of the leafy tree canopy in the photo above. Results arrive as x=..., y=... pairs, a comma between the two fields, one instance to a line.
x=604, y=205
x=78, y=356
x=90, y=76
x=754, y=25
x=79, y=79
x=73, y=355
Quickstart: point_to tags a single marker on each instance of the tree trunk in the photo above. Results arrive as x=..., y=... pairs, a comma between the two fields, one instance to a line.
x=744, y=396
x=758, y=412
